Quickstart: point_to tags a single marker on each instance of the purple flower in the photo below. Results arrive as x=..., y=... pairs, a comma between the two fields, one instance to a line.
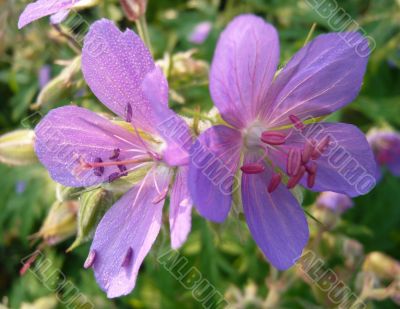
x=336, y=202
x=81, y=148
x=44, y=75
x=41, y=8
x=200, y=32
x=386, y=147
x=273, y=136
x=20, y=187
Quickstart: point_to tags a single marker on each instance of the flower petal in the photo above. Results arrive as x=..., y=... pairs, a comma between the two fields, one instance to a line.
x=68, y=134
x=42, y=8
x=243, y=67
x=322, y=77
x=131, y=225
x=180, y=212
x=212, y=170
x=276, y=220
x=115, y=64
x=172, y=128
x=348, y=165
x=59, y=17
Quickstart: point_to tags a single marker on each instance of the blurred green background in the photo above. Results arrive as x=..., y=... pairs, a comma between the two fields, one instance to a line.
x=224, y=254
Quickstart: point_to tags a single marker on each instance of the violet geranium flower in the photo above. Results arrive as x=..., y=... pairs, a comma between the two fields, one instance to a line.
x=385, y=144
x=81, y=148
x=270, y=141
x=58, y=9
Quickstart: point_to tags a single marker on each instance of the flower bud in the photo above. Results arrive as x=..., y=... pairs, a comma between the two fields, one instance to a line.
x=80, y=5
x=60, y=87
x=385, y=144
x=182, y=68
x=384, y=266
x=17, y=148
x=353, y=251
x=93, y=206
x=47, y=302
x=60, y=222
x=336, y=202
x=134, y=9
x=200, y=32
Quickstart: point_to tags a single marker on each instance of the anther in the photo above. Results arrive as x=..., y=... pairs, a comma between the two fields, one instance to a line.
x=293, y=161
x=321, y=148
x=297, y=122
x=162, y=196
x=311, y=180
x=115, y=154
x=128, y=257
x=311, y=167
x=113, y=177
x=294, y=180
x=252, y=168
x=90, y=259
x=274, y=182
x=273, y=137
x=99, y=170
x=128, y=113
x=307, y=151
x=123, y=170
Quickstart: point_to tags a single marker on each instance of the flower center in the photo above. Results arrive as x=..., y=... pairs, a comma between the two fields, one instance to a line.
x=300, y=158
x=252, y=136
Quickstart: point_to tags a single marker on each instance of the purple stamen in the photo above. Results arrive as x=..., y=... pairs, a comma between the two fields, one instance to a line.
x=297, y=122
x=273, y=137
x=293, y=161
x=99, y=170
x=252, y=168
x=312, y=173
x=274, y=182
x=116, y=153
x=311, y=180
x=113, y=177
x=128, y=257
x=321, y=148
x=311, y=168
x=294, y=180
x=307, y=151
x=90, y=259
x=128, y=113
x=123, y=170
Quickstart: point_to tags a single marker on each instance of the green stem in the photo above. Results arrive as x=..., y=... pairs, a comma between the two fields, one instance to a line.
x=141, y=25
x=310, y=33
x=193, y=113
x=273, y=298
